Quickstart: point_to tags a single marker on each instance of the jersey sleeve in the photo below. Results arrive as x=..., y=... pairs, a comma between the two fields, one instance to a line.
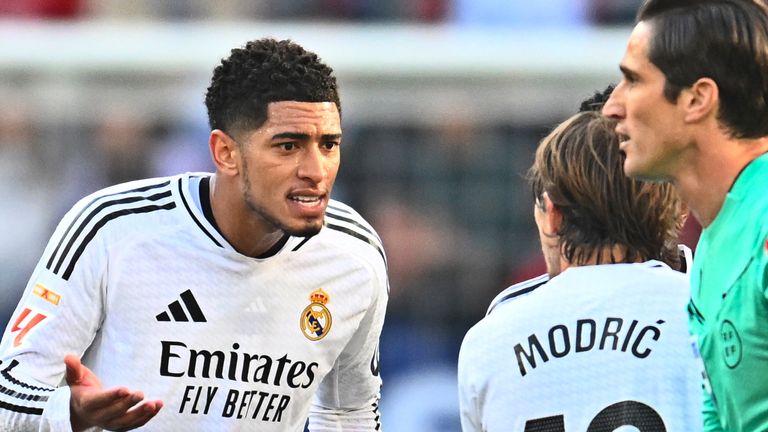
x=762, y=263
x=709, y=414
x=59, y=313
x=709, y=417
x=469, y=400
x=348, y=397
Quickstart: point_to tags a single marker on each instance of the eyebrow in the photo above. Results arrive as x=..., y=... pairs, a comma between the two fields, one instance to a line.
x=304, y=136
x=629, y=73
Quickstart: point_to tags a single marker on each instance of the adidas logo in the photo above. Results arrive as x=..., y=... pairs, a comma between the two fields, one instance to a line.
x=256, y=306
x=177, y=311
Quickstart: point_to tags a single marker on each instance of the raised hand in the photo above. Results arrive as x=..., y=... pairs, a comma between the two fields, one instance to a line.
x=117, y=409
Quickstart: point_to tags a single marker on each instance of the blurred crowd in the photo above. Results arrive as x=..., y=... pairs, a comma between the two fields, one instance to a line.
x=450, y=201
x=483, y=12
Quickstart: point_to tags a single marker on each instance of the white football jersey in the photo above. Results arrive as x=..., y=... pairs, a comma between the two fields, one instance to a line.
x=138, y=282
x=595, y=348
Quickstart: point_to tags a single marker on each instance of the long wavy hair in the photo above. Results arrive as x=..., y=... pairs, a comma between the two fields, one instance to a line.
x=580, y=167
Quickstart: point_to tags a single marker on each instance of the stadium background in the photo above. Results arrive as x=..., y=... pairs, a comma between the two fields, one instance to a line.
x=444, y=102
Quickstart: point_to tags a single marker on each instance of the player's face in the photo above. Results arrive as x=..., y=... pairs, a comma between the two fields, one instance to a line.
x=290, y=163
x=650, y=125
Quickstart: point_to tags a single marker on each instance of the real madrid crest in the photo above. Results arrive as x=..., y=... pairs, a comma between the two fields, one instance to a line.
x=315, y=320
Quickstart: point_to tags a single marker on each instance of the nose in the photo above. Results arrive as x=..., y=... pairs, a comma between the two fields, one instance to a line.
x=614, y=106
x=312, y=165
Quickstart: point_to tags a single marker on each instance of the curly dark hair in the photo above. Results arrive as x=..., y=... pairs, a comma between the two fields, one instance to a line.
x=264, y=71
x=597, y=100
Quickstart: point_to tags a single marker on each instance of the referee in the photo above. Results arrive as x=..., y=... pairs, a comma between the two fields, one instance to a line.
x=693, y=110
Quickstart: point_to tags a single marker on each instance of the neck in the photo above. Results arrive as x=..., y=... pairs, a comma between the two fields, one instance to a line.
x=704, y=180
x=606, y=255
x=251, y=236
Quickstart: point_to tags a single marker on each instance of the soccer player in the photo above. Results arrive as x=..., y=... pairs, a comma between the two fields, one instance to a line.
x=247, y=299
x=600, y=341
x=693, y=109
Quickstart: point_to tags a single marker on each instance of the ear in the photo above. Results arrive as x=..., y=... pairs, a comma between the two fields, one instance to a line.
x=552, y=217
x=225, y=152
x=701, y=100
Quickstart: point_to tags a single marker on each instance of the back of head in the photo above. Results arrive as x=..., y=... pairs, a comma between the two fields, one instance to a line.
x=261, y=72
x=725, y=40
x=580, y=167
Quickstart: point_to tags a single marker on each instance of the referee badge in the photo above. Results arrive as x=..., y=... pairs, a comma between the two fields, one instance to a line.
x=731, y=343
x=315, y=321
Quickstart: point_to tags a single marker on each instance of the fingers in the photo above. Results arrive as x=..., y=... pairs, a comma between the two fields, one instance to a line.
x=115, y=409
x=75, y=370
x=135, y=417
x=77, y=374
x=117, y=399
x=87, y=405
x=128, y=413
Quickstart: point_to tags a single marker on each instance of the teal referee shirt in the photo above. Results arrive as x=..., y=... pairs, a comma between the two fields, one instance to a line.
x=729, y=306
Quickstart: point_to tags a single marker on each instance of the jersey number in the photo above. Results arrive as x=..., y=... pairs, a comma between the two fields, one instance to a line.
x=23, y=326
x=627, y=413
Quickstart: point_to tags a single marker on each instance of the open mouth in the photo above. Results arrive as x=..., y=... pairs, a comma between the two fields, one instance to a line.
x=306, y=200
x=621, y=133
x=623, y=139
x=308, y=204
